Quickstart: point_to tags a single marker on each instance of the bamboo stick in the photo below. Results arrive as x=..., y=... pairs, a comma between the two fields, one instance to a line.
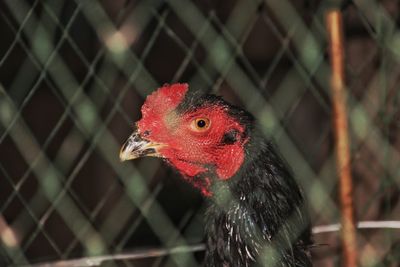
x=337, y=83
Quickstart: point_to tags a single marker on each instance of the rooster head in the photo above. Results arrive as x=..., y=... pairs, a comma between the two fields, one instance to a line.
x=202, y=136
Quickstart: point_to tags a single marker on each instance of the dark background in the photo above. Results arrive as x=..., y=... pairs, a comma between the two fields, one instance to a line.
x=73, y=75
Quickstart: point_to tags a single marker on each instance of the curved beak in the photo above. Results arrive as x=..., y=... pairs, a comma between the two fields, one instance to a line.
x=136, y=147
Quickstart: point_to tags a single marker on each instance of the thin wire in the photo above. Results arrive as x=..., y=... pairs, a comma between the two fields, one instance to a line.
x=18, y=33
x=161, y=252
x=137, y=254
x=360, y=225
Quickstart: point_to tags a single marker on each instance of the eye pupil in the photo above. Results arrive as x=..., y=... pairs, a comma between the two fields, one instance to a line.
x=201, y=123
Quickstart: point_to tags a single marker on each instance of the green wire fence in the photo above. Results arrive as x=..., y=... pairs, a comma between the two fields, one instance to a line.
x=74, y=74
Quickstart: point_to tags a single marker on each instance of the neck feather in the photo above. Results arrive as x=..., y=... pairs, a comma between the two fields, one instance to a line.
x=261, y=205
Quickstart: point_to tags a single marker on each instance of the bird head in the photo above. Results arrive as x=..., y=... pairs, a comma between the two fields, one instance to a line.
x=202, y=136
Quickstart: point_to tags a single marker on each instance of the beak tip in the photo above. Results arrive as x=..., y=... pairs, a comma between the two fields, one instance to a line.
x=136, y=147
x=124, y=156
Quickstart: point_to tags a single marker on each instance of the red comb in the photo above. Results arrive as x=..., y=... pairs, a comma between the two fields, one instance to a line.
x=165, y=98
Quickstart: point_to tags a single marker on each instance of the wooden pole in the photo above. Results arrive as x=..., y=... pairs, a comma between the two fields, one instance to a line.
x=337, y=83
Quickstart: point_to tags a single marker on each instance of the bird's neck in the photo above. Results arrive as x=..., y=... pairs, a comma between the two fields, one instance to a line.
x=263, y=177
x=248, y=211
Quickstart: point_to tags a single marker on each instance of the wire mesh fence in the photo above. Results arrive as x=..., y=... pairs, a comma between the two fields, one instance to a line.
x=73, y=75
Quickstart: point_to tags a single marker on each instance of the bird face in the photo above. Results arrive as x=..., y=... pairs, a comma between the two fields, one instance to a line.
x=197, y=134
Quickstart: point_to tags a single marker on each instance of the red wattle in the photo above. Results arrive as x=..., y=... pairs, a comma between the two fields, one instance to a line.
x=229, y=162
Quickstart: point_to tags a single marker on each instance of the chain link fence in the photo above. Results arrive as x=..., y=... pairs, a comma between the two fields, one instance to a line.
x=73, y=75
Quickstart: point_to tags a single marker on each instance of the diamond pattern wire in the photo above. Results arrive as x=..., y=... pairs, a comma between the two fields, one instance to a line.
x=97, y=62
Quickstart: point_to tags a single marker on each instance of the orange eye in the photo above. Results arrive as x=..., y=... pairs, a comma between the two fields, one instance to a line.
x=200, y=124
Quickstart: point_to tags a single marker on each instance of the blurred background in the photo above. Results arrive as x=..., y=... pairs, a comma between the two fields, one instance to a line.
x=74, y=74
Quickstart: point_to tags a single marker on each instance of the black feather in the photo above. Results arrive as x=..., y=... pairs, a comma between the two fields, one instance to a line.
x=258, y=217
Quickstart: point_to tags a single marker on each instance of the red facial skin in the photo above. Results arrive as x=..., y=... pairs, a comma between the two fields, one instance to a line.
x=188, y=149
